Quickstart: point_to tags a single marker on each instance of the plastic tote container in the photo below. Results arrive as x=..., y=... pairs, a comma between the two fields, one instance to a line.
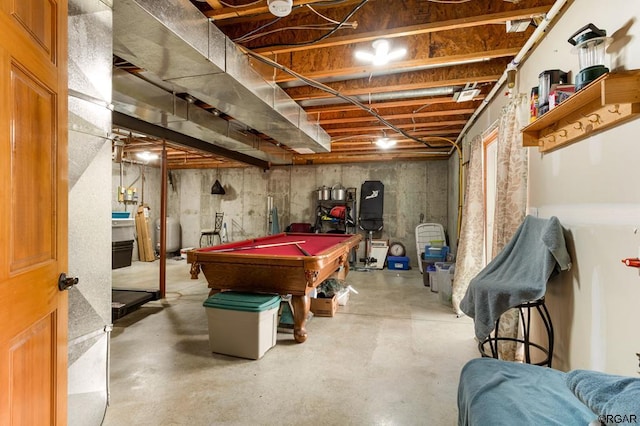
x=398, y=262
x=444, y=279
x=425, y=233
x=242, y=324
x=435, y=254
x=428, y=277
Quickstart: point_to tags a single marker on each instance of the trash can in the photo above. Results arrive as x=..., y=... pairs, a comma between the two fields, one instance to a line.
x=122, y=237
x=121, y=252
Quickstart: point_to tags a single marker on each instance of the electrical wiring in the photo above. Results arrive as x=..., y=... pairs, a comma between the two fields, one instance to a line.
x=322, y=37
x=252, y=35
x=337, y=94
x=309, y=27
x=353, y=25
x=257, y=29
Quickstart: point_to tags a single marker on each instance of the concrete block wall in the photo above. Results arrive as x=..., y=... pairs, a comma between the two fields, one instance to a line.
x=411, y=189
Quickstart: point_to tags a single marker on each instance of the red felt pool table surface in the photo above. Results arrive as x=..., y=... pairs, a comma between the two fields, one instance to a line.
x=282, y=245
x=274, y=264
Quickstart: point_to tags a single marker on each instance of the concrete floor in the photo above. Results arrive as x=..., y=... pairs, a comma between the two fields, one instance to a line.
x=391, y=356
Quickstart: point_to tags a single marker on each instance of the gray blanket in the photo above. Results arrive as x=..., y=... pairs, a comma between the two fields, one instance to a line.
x=518, y=274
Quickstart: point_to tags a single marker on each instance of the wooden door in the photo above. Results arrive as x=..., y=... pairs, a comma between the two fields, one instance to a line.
x=33, y=212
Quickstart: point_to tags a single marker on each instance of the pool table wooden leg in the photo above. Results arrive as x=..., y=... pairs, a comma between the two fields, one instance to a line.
x=301, y=306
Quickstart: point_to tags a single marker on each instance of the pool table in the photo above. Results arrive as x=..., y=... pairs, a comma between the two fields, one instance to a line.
x=285, y=263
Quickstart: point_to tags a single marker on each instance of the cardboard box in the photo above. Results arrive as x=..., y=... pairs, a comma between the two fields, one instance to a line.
x=379, y=243
x=559, y=94
x=324, y=307
x=242, y=324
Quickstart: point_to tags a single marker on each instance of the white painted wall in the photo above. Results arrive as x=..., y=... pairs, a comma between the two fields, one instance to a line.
x=593, y=187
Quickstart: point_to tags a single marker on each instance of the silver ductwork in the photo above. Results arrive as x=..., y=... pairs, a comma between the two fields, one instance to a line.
x=385, y=96
x=175, y=42
x=146, y=101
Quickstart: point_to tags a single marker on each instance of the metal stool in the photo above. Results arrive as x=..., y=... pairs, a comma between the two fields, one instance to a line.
x=210, y=234
x=525, y=323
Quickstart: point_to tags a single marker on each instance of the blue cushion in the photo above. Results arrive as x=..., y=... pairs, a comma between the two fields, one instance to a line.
x=611, y=397
x=503, y=393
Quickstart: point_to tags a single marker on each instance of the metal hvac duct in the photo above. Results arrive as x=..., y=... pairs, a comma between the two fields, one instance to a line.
x=174, y=41
x=143, y=100
x=384, y=96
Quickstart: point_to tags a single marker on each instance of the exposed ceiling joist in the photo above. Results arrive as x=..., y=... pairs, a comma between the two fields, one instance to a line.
x=449, y=46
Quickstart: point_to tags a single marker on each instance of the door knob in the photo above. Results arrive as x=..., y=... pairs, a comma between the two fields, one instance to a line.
x=64, y=282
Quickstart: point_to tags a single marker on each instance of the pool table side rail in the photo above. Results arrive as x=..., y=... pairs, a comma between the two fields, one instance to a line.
x=296, y=275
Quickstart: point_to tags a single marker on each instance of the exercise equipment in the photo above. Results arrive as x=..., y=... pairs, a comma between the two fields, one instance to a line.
x=371, y=210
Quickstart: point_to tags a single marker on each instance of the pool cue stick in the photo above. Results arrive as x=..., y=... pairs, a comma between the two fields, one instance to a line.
x=259, y=246
x=306, y=253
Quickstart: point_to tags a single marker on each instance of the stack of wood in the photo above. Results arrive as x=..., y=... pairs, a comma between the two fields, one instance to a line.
x=145, y=246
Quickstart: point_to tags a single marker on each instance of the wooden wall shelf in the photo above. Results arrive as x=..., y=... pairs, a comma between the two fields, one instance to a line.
x=608, y=101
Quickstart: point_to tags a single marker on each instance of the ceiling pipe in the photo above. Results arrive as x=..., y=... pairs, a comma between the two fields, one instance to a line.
x=417, y=93
x=535, y=37
x=376, y=97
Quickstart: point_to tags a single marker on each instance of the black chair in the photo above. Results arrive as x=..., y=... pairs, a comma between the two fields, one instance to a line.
x=371, y=209
x=209, y=234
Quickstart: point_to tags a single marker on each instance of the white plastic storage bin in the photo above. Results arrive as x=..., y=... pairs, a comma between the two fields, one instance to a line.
x=444, y=279
x=122, y=230
x=425, y=233
x=343, y=297
x=242, y=324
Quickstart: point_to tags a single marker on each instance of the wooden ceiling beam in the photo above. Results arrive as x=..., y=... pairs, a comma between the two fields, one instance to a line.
x=365, y=129
x=348, y=67
x=312, y=159
x=369, y=118
x=400, y=113
x=403, y=147
x=216, y=5
x=379, y=106
x=220, y=14
x=194, y=164
x=419, y=135
x=467, y=17
x=486, y=72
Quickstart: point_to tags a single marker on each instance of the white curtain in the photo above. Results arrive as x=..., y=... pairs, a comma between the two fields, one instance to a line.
x=470, y=245
x=510, y=210
x=511, y=204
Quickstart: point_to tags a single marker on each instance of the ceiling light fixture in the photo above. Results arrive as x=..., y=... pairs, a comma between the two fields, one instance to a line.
x=146, y=156
x=385, y=143
x=382, y=54
x=217, y=188
x=280, y=8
